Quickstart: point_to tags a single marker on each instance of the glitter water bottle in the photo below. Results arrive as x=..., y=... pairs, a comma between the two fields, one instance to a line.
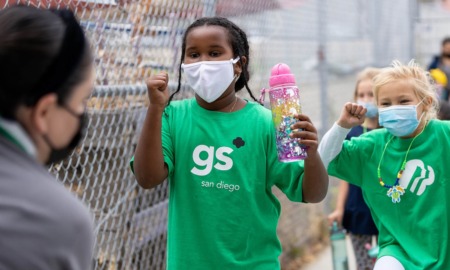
x=285, y=103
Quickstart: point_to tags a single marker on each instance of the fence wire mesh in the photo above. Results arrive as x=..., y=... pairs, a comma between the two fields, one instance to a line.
x=324, y=42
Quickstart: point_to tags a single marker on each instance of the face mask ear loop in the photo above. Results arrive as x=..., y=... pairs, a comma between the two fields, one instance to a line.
x=423, y=113
x=417, y=105
x=236, y=76
x=421, y=116
x=234, y=61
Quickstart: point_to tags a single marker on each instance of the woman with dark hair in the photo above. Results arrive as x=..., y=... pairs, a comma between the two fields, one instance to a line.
x=46, y=75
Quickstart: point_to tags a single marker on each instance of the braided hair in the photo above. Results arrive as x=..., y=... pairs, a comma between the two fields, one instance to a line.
x=239, y=44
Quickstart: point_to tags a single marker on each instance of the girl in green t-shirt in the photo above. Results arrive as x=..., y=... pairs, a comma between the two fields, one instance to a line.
x=399, y=168
x=218, y=152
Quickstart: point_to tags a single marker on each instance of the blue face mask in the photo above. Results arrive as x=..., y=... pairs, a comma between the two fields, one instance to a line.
x=399, y=120
x=372, y=110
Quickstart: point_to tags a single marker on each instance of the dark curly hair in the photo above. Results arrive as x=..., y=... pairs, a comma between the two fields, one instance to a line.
x=239, y=44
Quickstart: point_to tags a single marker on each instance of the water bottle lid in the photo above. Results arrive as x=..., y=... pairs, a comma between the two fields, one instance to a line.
x=281, y=75
x=334, y=227
x=336, y=233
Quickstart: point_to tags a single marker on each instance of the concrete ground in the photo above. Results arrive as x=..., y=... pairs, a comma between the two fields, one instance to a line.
x=324, y=261
x=339, y=91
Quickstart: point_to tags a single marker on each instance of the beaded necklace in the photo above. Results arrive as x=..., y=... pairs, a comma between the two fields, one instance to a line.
x=395, y=191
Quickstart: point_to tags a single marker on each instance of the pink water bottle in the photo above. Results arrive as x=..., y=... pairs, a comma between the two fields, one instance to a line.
x=285, y=103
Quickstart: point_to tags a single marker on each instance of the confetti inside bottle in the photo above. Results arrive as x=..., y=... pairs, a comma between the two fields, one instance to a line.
x=285, y=103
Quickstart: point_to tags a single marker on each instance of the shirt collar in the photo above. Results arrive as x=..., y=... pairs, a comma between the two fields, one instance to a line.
x=20, y=136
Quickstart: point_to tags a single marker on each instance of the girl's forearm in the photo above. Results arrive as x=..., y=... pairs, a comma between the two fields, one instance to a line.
x=149, y=167
x=331, y=143
x=315, y=179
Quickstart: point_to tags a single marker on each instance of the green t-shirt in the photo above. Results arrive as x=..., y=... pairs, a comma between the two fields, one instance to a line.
x=415, y=230
x=222, y=166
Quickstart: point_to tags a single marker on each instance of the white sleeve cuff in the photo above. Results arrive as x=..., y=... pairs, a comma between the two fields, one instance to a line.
x=331, y=143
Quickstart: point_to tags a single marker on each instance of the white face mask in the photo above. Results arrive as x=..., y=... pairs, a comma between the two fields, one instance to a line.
x=209, y=79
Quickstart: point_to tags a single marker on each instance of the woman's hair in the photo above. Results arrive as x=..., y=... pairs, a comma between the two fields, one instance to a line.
x=41, y=52
x=366, y=74
x=417, y=77
x=239, y=44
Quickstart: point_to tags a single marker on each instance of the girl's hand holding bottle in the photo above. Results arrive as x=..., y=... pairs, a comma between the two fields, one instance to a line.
x=305, y=131
x=336, y=216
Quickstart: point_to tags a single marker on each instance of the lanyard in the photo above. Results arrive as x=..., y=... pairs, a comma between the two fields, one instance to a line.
x=11, y=138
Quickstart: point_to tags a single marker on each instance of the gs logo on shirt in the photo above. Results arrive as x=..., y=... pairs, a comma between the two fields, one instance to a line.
x=214, y=158
x=417, y=184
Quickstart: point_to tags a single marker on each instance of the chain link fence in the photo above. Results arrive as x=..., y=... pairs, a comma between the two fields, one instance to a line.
x=325, y=42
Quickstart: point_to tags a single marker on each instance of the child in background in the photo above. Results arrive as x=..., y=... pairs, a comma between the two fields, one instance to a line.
x=351, y=211
x=219, y=153
x=399, y=168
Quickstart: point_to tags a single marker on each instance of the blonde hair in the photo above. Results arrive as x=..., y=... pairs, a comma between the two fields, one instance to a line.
x=366, y=74
x=417, y=77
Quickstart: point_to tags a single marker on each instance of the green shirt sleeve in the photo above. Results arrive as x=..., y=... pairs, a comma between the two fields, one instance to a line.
x=348, y=164
x=167, y=142
x=132, y=164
